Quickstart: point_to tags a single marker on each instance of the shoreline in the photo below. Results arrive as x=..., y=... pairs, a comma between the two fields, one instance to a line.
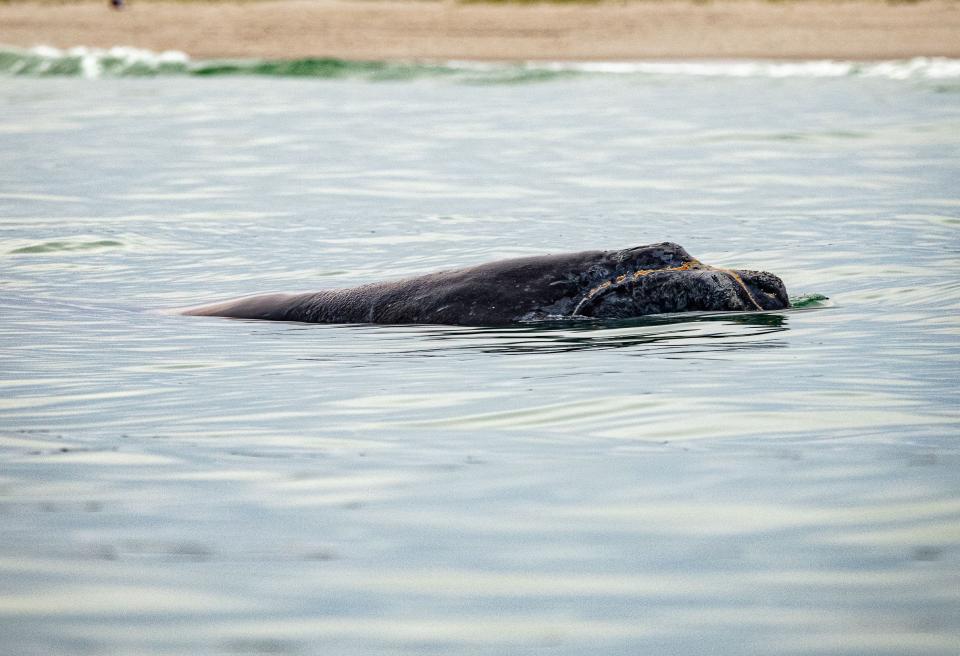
x=394, y=30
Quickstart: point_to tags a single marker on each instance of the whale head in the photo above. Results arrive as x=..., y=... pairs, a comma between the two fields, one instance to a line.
x=663, y=278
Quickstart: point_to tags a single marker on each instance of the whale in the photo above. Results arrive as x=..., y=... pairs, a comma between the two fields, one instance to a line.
x=645, y=280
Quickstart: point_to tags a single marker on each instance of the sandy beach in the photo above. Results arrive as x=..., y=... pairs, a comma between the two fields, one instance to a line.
x=425, y=30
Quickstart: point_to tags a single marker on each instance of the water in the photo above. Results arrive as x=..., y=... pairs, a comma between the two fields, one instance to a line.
x=741, y=484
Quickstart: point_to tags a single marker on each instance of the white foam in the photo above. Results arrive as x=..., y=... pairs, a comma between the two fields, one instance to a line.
x=901, y=69
x=92, y=60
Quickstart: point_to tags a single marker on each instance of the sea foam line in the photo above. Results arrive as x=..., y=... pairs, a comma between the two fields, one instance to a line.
x=898, y=69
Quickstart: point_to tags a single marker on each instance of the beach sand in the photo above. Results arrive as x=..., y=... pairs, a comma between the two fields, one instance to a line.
x=443, y=30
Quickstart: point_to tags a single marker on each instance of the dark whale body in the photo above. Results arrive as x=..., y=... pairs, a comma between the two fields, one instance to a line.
x=654, y=279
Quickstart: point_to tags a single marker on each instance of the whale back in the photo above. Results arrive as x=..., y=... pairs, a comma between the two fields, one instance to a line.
x=494, y=293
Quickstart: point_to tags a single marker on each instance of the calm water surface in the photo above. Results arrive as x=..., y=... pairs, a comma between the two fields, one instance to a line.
x=741, y=484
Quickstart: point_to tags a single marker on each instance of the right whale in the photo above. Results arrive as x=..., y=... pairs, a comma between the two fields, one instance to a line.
x=619, y=284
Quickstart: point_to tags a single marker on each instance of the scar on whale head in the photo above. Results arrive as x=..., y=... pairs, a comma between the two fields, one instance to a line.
x=654, y=279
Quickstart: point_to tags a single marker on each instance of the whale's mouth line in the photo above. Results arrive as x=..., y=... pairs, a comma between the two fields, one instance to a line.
x=737, y=279
x=693, y=264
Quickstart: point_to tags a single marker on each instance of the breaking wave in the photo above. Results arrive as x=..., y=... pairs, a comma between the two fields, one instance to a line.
x=46, y=61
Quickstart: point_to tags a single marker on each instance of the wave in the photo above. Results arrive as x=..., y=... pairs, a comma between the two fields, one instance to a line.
x=46, y=61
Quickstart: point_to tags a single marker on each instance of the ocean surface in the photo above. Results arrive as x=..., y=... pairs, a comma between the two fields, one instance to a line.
x=767, y=483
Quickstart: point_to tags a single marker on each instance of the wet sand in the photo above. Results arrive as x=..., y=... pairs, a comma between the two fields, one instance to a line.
x=392, y=30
